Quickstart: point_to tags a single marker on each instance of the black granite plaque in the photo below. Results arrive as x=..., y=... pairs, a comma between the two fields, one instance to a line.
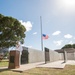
x=12, y=59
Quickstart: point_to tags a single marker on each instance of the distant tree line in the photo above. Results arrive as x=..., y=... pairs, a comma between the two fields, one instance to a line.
x=69, y=46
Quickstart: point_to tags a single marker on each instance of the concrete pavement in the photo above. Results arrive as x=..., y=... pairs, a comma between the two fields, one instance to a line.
x=27, y=66
x=70, y=62
x=56, y=64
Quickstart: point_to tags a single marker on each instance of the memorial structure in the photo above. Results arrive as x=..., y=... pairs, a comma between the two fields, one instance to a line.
x=14, y=59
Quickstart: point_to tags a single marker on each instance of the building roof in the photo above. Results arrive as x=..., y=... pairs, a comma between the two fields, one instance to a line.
x=59, y=50
x=69, y=50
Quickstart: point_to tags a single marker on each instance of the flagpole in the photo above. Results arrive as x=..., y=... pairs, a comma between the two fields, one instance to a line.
x=41, y=33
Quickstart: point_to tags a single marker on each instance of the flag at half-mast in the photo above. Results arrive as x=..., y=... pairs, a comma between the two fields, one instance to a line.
x=44, y=36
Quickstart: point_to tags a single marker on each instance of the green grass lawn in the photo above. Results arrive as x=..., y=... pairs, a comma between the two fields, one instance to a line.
x=4, y=63
x=68, y=70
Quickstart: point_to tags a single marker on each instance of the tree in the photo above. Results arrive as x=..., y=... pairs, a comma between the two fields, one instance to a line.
x=6, y=54
x=11, y=31
x=73, y=45
x=67, y=46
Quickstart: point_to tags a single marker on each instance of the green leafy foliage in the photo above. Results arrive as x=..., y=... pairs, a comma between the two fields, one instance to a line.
x=69, y=46
x=73, y=45
x=11, y=31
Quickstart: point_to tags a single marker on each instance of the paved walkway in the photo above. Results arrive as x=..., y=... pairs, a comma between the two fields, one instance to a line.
x=3, y=68
x=27, y=66
x=70, y=62
x=57, y=64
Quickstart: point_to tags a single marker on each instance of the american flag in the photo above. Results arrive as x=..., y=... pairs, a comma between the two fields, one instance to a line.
x=44, y=36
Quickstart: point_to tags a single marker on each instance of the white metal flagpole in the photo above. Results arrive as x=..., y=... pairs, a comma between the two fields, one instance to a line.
x=41, y=33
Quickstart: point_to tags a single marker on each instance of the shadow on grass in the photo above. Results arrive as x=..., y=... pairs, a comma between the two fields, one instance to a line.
x=63, y=62
x=4, y=69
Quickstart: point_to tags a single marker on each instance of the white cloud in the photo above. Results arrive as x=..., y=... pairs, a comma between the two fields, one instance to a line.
x=23, y=44
x=34, y=33
x=56, y=33
x=71, y=42
x=29, y=46
x=58, y=43
x=28, y=25
x=68, y=36
x=0, y=32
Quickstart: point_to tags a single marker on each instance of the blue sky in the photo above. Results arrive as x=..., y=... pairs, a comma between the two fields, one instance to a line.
x=58, y=20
